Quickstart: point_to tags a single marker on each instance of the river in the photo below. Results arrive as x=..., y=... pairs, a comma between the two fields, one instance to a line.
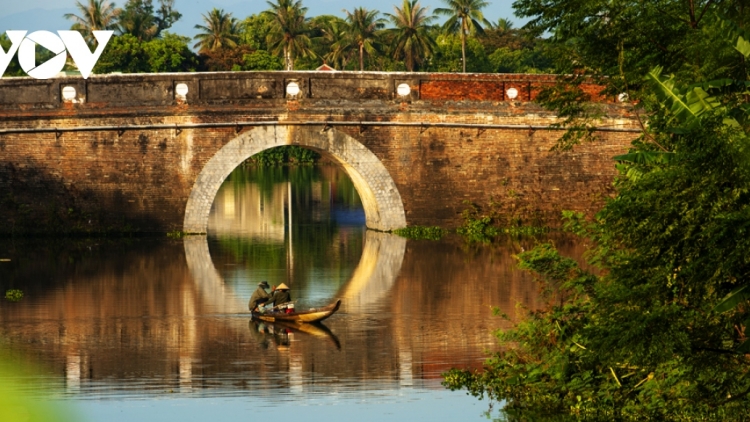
x=154, y=329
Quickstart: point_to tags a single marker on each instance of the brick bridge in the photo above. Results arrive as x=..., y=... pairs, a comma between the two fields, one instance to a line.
x=149, y=152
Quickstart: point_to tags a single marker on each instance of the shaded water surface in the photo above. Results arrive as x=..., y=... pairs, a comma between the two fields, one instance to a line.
x=158, y=329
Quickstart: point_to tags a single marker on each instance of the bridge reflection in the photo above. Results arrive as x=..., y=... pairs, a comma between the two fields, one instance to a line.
x=161, y=318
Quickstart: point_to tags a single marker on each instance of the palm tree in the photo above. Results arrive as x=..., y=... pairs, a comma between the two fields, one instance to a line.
x=135, y=19
x=221, y=31
x=411, y=39
x=503, y=25
x=362, y=28
x=289, y=31
x=97, y=15
x=464, y=17
x=333, y=37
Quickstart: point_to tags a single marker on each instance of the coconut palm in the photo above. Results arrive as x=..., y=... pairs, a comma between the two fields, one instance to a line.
x=289, y=31
x=503, y=25
x=333, y=38
x=135, y=19
x=220, y=31
x=97, y=15
x=362, y=29
x=411, y=38
x=464, y=17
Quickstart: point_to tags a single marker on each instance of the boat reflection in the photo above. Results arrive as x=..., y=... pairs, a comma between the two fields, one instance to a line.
x=278, y=333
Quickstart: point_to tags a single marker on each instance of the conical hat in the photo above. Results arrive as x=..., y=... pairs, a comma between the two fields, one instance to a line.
x=282, y=286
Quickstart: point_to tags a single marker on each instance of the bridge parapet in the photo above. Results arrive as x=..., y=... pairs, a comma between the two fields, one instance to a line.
x=207, y=88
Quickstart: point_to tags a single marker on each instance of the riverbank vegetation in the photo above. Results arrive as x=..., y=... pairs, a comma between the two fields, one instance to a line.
x=422, y=232
x=660, y=331
x=483, y=223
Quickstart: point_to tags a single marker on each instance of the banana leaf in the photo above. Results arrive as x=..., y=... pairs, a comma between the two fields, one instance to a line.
x=734, y=298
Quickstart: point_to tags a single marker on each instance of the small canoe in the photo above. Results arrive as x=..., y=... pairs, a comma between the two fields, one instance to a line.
x=310, y=315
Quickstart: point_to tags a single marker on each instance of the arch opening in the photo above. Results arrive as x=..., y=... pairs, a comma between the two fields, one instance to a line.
x=383, y=207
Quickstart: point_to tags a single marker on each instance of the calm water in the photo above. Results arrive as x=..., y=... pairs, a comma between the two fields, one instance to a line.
x=158, y=329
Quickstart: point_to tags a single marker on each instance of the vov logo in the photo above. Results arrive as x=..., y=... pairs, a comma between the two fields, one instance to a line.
x=67, y=42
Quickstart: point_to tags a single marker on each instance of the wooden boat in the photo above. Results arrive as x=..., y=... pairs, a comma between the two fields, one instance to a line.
x=310, y=315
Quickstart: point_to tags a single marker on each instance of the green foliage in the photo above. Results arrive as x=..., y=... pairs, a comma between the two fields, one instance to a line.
x=448, y=56
x=575, y=107
x=478, y=226
x=421, y=232
x=410, y=37
x=362, y=33
x=507, y=60
x=13, y=69
x=616, y=43
x=284, y=32
x=13, y=295
x=127, y=54
x=659, y=332
x=253, y=30
x=485, y=223
x=289, y=31
x=139, y=18
x=96, y=15
x=465, y=17
x=221, y=31
x=170, y=54
x=123, y=54
x=288, y=154
x=260, y=60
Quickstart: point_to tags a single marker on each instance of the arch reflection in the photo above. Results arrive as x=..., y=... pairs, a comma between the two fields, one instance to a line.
x=376, y=273
x=374, y=276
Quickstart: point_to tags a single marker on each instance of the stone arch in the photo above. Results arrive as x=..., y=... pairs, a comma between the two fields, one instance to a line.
x=384, y=209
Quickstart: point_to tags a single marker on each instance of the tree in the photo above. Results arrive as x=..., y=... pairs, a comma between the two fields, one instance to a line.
x=224, y=59
x=362, y=29
x=665, y=320
x=332, y=43
x=503, y=25
x=170, y=53
x=253, y=31
x=288, y=34
x=13, y=69
x=411, y=39
x=507, y=60
x=97, y=15
x=448, y=57
x=464, y=17
x=260, y=60
x=220, y=31
x=138, y=18
x=127, y=54
x=617, y=42
x=122, y=54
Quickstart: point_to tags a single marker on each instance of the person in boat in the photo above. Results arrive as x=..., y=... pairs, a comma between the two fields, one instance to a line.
x=259, y=296
x=281, y=296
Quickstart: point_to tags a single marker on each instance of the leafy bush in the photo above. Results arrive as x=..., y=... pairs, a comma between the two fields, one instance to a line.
x=421, y=232
x=13, y=295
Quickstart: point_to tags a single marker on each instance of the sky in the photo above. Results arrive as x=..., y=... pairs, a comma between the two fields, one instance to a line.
x=34, y=15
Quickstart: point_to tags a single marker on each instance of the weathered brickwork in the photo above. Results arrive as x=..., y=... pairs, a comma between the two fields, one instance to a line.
x=121, y=173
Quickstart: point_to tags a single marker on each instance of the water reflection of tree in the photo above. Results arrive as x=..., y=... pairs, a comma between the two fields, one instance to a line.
x=319, y=237
x=302, y=178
